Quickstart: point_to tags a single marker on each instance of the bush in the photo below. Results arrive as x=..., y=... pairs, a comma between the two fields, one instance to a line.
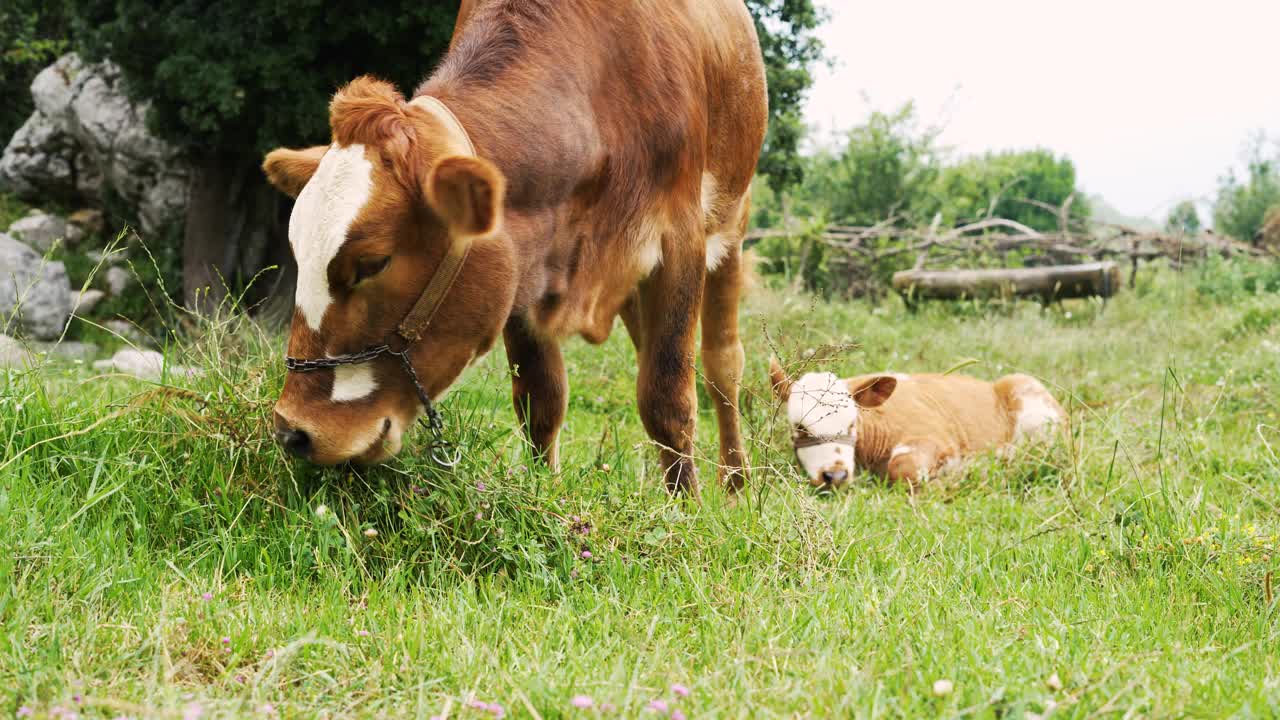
x=1242, y=204
x=32, y=34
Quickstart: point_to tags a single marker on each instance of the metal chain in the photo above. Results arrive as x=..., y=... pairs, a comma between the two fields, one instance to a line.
x=442, y=451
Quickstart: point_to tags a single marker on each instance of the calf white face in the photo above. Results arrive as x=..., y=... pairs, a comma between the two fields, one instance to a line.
x=821, y=406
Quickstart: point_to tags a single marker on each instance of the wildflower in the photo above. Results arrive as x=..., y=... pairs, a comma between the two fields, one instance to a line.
x=680, y=690
x=586, y=554
x=226, y=640
x=207, y=596
x=362, y=633
x=480, y=486
x=321, y=510
x=573, y=573
x=267, y=709
x=370, y=533
x=1054, y=682
x=192, y=712
x=77, y=699
x=496, y=710
x=25, y=711
x=575, y=519
x=943, y=688
x=240, y=679
x=581, y=701
x=659, y=706
x=479, y=516
x=604, y=467
x=271, y=654
x=677, y=714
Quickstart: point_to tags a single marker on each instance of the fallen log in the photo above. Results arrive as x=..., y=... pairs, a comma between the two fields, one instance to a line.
x=1048, y=283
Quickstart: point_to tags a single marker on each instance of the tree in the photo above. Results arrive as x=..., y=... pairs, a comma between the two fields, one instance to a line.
x=1242, y=205
x=1184, y=219
x=967, y=190
x=790, y=50
x=32, y=34
x=887, y=167
x=229, y=80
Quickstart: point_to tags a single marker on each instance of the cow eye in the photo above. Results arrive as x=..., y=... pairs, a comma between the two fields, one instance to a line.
x=367, y=267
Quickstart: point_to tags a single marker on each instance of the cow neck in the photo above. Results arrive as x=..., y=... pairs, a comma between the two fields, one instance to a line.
x=419, y=316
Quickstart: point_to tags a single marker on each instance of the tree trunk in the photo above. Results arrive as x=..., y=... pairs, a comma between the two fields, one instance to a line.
x=236, y=225
x=1055, y=282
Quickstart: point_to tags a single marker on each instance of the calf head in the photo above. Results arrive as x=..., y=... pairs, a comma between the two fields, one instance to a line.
x=376, y=211
x=823, y=412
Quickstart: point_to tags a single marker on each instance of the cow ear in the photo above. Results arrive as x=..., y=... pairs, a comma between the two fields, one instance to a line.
x=873, y=392
x=779, y=380
x=290, y=170
x=467, y=193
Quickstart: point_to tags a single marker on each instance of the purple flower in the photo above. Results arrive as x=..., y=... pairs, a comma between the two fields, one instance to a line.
x=659, y=706
x=226, y=640
x=207, y=596
x=581, y=701
x=240, y=679
x=77, y=699
x=677, y=715
x=25, y=711
x=271, y=654
x=573, y=573
x=192, y=712
x=479, y=516
x=480, y=486
x=680, y=690
x=586, y=554
x=574, y=519
x=267, y=709
x=362, y=633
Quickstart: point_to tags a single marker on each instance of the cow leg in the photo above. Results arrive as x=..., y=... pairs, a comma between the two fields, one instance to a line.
x=669, y=302
x=915, y=461
x=539, y=388
x=722, y=360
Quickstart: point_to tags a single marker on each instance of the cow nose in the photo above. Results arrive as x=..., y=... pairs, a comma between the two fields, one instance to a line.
x=297, y=442
x=834, y=477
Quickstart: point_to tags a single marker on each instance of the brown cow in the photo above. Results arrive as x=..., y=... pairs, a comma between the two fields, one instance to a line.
x=907, y=427
x=569, y=161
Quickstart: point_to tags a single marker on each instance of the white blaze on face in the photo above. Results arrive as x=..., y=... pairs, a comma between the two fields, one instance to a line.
x=821, y=404
x=322, y=215
x=353, y=382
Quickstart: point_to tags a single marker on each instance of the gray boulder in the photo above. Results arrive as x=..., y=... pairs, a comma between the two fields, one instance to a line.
x=83, y=303
x=145, y=364
x=39, y=230
x=35, y=295
x=118, y=280
x=13, y=354
x=86, y=136
x=68, y=350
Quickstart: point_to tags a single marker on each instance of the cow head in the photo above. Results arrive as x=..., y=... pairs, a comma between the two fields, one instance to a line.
x=375, y=212
x=823, y=412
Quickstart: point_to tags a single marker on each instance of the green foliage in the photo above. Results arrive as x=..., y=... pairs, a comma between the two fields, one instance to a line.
x=887, y=167
x=1183, y=219
x=790, y=50
x=241, y=77
x=32, y=34
x=966, y=190
x=1242, y=204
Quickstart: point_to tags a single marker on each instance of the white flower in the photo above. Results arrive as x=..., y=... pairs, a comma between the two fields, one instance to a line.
x=943, y=688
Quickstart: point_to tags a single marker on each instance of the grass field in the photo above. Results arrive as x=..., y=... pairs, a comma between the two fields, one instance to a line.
x=162, y=558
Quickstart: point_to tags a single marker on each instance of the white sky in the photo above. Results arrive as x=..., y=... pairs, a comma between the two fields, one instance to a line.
x=1152, y=99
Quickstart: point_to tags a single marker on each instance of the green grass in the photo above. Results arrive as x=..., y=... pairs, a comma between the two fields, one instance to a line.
x=1132, y=563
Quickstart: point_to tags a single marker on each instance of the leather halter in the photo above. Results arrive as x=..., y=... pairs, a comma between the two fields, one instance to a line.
x=806, y=439
x=415, y=322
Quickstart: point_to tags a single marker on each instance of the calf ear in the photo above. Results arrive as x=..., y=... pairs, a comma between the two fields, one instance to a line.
x=873, y=392
x=467, y=193
x=289, y=170
x=779, y=380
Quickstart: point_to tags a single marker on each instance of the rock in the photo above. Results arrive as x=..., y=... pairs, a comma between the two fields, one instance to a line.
x=145, y=364
x=39, y=230
x=128, y=331
x=13, y=354
x=87, y=139
x=118, y=280
x=69, y=350
x=82, y=304
x=35, y=294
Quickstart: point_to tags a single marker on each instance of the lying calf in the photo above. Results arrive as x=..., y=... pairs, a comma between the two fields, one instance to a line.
x=906, y=427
